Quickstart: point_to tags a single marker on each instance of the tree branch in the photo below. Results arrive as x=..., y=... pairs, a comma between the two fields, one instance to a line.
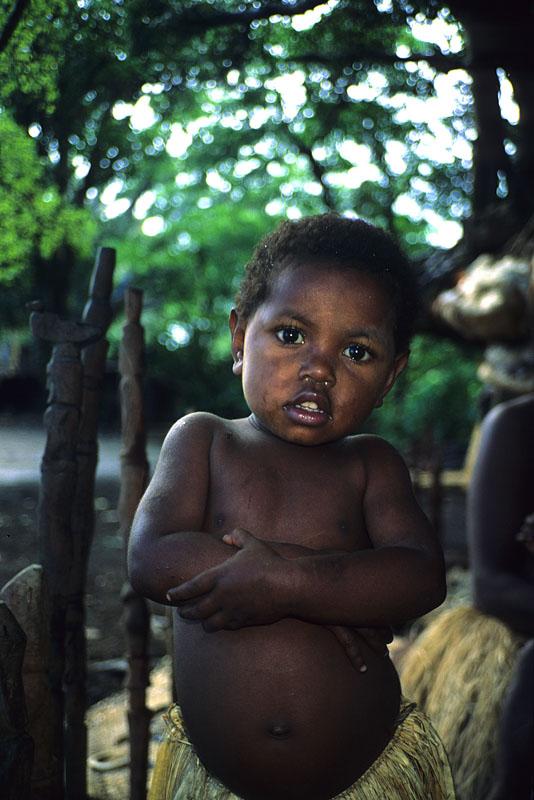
x=12, y=23
x=217, y=19
x=317, y=170
x=370, y=56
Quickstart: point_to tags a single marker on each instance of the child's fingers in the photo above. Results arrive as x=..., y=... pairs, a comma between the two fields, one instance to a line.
x=220, y=621
x=238, y=537
x=377, y=638
x=200, y=584
x=350, y=642
x=199, y=609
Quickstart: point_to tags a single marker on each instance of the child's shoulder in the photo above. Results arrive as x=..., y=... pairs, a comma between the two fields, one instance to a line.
x=197, y=424
x=191, y=438
x=371, y=445
x=198, y=427
x=375, y=453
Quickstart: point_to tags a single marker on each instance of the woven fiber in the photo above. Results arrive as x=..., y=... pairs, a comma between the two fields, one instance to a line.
x=108, y=773
x=457, y=671
x=413, y=766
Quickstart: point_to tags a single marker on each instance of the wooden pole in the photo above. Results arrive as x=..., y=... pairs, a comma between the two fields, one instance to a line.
x=26, y=595
x=57, y=490
x=97, y=312
x=16, y=747
x=134, y=474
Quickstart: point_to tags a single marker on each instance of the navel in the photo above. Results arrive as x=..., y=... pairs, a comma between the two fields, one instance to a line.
x=219, y=520
x=280, y=730
x=343, y=527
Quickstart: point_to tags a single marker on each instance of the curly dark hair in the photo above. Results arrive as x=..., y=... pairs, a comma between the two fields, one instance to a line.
x=333, y=241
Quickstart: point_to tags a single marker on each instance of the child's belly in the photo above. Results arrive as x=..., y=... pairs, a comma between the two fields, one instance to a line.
x=278, y=712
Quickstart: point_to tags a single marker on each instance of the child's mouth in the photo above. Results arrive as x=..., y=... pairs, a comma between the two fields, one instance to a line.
x=308, y=411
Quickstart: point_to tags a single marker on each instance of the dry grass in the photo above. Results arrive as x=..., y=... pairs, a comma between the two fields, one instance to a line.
x=108, y=760
x=457, y=671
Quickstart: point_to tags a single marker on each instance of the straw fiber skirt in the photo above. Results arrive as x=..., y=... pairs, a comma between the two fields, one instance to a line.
x=413, y=766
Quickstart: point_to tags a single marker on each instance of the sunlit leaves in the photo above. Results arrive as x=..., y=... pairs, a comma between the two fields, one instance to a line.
x=435, y=399
x=29, y=65
x=19, y=174
x=187, y=129
x=35, y=219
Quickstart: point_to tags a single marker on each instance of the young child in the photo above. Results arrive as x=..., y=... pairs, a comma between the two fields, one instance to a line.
x=277, y=535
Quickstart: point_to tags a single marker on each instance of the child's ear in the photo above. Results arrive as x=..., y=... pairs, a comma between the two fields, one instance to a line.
x=399, y=365
x=237, y=329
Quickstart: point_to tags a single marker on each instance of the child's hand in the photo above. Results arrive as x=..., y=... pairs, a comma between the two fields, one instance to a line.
x=236, y=593
x=350, y=639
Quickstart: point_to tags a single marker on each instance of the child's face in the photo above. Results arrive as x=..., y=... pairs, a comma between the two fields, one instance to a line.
x=318, y=355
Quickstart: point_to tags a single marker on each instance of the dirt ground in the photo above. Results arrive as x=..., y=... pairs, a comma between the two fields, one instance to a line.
x=21, y=447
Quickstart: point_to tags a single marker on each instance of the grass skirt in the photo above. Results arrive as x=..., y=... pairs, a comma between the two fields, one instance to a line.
x=413, y=766
x=457, y=671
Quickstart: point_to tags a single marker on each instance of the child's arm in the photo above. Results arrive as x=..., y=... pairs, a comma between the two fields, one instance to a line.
x=167, y=545
x=401, y=578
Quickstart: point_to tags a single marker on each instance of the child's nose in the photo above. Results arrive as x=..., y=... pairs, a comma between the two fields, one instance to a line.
x=318, y=368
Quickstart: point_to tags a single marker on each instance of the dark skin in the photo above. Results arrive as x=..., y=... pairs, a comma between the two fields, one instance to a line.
x=270, y=533
x=501, y=535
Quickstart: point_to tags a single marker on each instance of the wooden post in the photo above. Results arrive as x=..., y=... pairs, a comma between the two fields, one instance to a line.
x=134, y=473
x=58, y=485
x=137, y=626
x=97, y=312
x=16, y=747
x=26, y=596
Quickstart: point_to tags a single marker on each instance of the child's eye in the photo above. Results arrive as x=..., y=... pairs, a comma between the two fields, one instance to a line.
x=357, y=352
x=290, y=335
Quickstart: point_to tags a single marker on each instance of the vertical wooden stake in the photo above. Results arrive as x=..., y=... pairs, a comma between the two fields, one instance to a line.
x=57, y=489
x=97, y=312
x=134, y=473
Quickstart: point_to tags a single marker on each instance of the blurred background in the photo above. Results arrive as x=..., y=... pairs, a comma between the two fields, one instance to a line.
x=179, y=132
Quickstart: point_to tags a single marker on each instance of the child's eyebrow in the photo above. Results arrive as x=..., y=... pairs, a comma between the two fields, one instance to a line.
x=294, y=316
x=368, y=333
x=371, y=333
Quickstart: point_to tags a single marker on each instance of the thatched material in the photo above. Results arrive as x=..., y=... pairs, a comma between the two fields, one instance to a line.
x=457, y=671
x=109, y=752
x=413, y=766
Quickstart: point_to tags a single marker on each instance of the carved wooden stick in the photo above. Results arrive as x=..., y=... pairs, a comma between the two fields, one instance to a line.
x=58, y=484
x=16, y=747
x=26, y=596
x=97, y=312
x=134, y=472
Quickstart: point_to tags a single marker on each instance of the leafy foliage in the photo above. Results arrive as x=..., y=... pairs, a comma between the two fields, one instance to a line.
x=31, y=59
x=434, y=400
x=36, y=219
x=180, y=132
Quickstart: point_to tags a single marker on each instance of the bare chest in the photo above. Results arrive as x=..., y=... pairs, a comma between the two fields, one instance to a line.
x=304, y=496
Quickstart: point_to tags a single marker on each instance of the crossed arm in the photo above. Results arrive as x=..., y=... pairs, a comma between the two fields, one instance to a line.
x=242, y=580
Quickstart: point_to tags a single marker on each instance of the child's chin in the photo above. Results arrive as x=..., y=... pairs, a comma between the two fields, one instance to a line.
x=309, y=436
